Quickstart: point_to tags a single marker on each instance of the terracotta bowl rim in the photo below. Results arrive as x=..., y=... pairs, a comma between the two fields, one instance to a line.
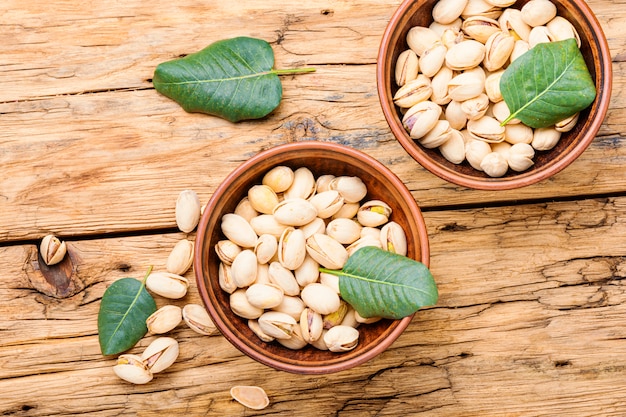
x=601, y=102
x=412, y=210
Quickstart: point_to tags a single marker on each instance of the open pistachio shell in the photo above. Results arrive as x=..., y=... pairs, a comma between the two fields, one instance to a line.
x=250, y=396
x=160, y=354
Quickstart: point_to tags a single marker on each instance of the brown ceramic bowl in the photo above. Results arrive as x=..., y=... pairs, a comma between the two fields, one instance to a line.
x=321, y=158
x=547, y=163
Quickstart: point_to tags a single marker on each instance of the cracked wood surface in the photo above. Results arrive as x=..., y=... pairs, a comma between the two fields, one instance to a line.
x=530, y=316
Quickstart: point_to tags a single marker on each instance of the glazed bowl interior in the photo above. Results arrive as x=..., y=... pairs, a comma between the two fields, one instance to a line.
x=595, y=51
x=321, y=158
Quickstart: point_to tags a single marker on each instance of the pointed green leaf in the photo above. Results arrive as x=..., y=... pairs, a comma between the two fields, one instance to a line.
x=233, y=79
x=547, y=84
x=378, y=283
x=124, y=308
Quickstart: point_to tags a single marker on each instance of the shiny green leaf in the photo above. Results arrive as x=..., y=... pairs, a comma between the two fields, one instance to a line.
x=378, y=283
x=547, y=84
x=233, y=79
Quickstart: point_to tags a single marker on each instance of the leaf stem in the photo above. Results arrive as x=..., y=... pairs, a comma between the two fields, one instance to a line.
x=336, y=272
x=293, y=71
x=145, y=278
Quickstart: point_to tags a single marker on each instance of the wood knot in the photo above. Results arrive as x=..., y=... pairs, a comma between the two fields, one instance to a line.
x=57, y=281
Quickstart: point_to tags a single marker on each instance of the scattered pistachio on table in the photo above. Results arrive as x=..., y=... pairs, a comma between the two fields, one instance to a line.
x=250, y=396
x=188, y=210
x=52, y=249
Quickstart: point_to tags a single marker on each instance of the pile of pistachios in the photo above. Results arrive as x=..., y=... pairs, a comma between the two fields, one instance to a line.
x=276, y=240
x=449, y=81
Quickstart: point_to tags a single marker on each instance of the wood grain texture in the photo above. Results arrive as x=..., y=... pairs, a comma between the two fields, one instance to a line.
x=520, y=330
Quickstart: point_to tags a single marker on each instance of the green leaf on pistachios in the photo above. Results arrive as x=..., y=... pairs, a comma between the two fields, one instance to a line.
x=124, y=308
x=547, y=84
x=378, y=283
x=233, y=79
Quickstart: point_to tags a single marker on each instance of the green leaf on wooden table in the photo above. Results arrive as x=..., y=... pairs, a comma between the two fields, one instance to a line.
x=124, y=308
x=233, y=79
x=378, y=283
x=547, y=84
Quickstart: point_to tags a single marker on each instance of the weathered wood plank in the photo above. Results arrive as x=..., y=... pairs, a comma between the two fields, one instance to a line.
x=529, y=322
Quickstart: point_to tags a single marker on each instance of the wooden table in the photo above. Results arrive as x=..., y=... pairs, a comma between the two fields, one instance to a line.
x=532, y=309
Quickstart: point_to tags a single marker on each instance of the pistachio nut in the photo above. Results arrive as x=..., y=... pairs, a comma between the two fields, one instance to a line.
x=476, y=107
x=494, y=164
x=362, y=242
x=407, y=67
x=336, y=317
x=518, y=133
x=481, y=8
x=265, y=248
x=266, y=224
x=227, y=251
x=451, y=37
x=278, y=178
x=319, y=343
x=539, y=34
x=263, y=274
x=433, y=59
x=243, y=271
x=414, y=91
x=465, y=55
x=164, y=319
x=501, y=3
x=421, y=118
x=370, y=231
x=421, y=38
x=225, y=278
x=277, y=325
x=511, y=21
x=350, y=319
x=521, y=157
x=343, y=230
x=567, y=124
x=365, y=320
x=562, y=29
x=475, y=152
x=502, y=148
x=295, y=212
x=131, y=368
x=322, y=183
x=180, y=258
x=256, y=329
x=519, y=49
x=326, y=251
x=292, y=248
x=167, y=285
x=487, y=129
x=351, y=188
x=316, y=226
x=245, y=209
x=455, y=115
x=198, y=319
x=311, y=325
x=341, y=338
x=480, y=28
x=447, y=11
x=327, y=203
x=347, y=211
x=292, y=306
x=296, y=341
x=498, y=49
x=466, y=85
x=303, y=185
x=52, y=250
x=262, y=198
x=545, y=138
x=250, y=396
x=238, y=230
x=240, y=305
x=320, y=298
x=374, y=213
x=438, y=135
x=439, y=86
x=308, y=272
x=330, y=280
x=393, y=238
x=439, y=28
x=284, y=278
x=538, y=12
x=187, y=210
x=265, y=295
x=492, y=86
x=501, y=112
x=160, y=354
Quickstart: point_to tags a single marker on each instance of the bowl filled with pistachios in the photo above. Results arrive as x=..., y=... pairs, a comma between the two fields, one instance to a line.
x=494, y=94
x=312, y=258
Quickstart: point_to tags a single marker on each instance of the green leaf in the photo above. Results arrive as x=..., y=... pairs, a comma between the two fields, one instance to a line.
x=378, y=283
x=233, y=79
x=125, y=306
x=547, y=84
